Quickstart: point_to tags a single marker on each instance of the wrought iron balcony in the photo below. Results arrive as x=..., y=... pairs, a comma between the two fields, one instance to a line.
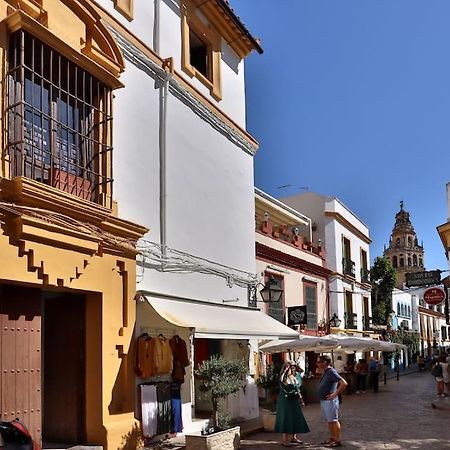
x=348, y=267
x=365, y=275
x=351, y=320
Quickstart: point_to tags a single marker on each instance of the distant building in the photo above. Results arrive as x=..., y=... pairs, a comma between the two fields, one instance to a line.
x=404, y=251
x=345, y=239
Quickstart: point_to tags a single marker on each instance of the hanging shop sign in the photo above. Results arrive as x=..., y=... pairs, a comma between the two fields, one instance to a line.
x=297, y=315
x=434, y=296
x=425, y=278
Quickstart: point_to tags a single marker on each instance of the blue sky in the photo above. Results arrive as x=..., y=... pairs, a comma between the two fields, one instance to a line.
x=352, y=98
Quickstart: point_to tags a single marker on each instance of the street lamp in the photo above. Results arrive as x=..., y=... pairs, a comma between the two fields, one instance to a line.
x=335, y=322
x=272, y=291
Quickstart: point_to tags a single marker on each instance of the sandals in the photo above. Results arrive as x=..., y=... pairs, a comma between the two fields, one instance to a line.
x=333, y=444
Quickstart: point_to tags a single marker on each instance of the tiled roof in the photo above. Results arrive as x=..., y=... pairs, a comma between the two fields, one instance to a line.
x=225, y=4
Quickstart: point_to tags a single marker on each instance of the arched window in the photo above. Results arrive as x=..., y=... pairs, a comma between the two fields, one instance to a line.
x=398, y=241
x=398, y=309
x=402, y=262
x=415, y=260
x=394, y=262
x=420, y=262
x=409, y=261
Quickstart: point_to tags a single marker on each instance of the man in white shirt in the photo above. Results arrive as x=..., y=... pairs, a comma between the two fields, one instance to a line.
x=339, y=365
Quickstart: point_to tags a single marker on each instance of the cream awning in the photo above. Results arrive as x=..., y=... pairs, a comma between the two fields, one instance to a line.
x=214, y=321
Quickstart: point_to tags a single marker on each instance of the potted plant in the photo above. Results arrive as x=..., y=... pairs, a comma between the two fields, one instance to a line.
x=220, y=378
x=270, y=382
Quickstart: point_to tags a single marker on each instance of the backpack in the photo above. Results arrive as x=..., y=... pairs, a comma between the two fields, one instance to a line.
x=436, y=371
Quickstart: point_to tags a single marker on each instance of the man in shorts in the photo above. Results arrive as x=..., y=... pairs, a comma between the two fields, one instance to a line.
x=331, y=386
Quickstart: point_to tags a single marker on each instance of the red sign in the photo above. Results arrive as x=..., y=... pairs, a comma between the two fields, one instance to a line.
x=434, y=296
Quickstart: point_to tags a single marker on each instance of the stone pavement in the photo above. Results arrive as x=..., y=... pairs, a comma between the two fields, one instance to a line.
x=400, y=416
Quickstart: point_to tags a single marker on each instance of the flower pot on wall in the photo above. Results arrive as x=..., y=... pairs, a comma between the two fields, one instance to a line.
x=222, y=440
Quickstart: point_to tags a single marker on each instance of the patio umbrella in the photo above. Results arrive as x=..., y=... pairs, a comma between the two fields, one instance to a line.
x=304, y=343
x=355, y=343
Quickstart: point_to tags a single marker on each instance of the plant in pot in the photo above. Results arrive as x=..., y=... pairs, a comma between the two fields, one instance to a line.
x=219, y=378
x=270, y=382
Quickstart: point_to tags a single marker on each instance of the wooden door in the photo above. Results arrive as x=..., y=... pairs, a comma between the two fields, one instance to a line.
x=20, y=345
x=64, y=369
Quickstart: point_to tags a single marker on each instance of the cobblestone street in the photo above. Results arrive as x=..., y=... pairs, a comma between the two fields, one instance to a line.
x=400, y=416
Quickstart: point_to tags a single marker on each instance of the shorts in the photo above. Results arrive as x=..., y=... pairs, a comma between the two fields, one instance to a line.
x=330, y=409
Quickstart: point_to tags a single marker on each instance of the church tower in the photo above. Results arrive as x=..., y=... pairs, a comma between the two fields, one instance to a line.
x=404, y=252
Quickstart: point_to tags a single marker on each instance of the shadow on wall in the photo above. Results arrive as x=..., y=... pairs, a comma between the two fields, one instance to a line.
x=133, y=439
x=123, y=393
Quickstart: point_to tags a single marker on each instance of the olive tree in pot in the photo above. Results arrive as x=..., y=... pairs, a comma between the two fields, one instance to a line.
x=220, y=377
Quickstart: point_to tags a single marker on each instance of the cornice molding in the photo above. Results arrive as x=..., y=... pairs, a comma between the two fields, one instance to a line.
x=185, y=93
x=276, y=256
x=344, y=222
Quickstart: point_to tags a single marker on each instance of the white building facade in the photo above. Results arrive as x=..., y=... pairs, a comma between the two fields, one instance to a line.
x=346, y=241
x=185, y=171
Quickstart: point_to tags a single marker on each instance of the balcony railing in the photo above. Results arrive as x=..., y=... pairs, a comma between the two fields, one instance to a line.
x=348, y=267
x=350, y=320
x=367, y=322
x=365, y=275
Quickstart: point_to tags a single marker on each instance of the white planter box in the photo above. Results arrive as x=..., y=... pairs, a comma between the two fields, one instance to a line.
x=222, y=440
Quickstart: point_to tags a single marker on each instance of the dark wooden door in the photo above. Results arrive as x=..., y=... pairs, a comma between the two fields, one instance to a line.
x=20, y=346
x=64, y=369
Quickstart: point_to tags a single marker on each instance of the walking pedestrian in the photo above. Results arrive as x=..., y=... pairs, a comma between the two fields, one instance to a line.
x=374, y=373
x=330, y=387
x=290, y=419
x=361, y=370
x=438, y=373
x=421, y=363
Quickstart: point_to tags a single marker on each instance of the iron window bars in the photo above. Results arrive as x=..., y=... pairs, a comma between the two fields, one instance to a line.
x=59, y=122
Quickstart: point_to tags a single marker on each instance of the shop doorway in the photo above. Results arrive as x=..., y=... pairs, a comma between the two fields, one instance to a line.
x=64, y=362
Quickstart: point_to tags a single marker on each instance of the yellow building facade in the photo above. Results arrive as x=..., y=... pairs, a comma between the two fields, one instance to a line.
x=67, y=261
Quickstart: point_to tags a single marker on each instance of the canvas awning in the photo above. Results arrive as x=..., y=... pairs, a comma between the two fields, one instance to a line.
x=216, y=321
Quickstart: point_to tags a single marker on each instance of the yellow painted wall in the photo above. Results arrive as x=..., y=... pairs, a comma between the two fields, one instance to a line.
x=110, y=384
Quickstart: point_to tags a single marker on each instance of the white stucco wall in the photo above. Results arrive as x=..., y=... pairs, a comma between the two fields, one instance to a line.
x=143, y=26
x=210, y=203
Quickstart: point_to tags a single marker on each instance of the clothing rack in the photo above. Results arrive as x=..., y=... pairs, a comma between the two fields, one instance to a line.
x=156, y=331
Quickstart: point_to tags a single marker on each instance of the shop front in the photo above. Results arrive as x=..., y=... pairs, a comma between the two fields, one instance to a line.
x=207, y=329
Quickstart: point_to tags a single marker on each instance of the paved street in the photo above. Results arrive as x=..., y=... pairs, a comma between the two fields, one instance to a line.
x=400, y=416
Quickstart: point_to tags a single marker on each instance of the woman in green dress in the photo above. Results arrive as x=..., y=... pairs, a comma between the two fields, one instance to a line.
x=290, y=419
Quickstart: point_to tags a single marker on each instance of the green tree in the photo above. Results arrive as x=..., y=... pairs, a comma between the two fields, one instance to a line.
x=220, y=378
x=383, y=278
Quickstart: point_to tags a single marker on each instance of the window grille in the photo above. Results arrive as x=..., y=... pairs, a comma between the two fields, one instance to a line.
x=59, y=120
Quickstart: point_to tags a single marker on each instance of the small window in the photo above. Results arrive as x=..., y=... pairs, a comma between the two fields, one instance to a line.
x=398, y=309
x=394, y=262
x=199, y=54
x=402, y=262
x=311, y=305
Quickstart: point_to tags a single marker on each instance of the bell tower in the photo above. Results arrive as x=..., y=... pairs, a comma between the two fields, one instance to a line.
x=404, y=251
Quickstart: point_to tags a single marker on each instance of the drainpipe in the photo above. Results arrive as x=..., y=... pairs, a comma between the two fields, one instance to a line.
x=157, y=16
x=163, y=95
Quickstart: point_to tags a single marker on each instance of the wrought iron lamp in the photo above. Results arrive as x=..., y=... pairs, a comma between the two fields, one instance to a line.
x=272, y=291
x=335, y=322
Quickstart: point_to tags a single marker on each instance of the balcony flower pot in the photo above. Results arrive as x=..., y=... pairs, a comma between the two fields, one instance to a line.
x=229, y=439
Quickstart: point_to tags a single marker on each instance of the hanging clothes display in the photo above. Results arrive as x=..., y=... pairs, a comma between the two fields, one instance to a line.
x=145, y=360
x=180, y=358
x=149, y=410
x=176, y=425
x=164, y=407
x=163, y=358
